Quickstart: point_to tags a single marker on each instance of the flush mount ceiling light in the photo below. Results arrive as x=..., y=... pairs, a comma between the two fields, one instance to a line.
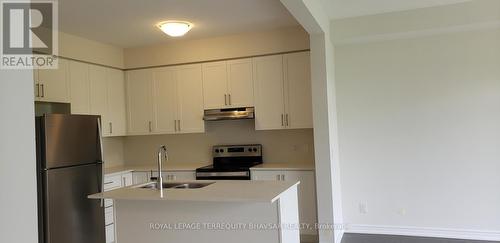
x=175, y=28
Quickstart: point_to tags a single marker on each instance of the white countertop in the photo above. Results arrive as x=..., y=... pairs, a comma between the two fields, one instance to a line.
x=220, y=191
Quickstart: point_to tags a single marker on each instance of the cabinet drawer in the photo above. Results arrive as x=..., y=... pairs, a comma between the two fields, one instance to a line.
x=112, y=182
x=110, y=233
x=109, y=217
x=108, y=203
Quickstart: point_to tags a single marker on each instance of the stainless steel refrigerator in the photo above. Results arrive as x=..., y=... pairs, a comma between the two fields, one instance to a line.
x=69, y=164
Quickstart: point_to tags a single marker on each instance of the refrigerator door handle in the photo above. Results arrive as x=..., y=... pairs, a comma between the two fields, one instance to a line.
x=101, y=190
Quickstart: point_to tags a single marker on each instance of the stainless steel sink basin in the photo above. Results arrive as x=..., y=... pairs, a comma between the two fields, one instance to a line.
x=177, y=185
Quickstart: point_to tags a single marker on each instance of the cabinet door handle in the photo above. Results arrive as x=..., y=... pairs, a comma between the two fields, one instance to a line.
x=278, y=177
x=282, y=120
x=110, y=127
x=179, y=122
x=225, y=99
x=282, y=177
x=286, y=119
x=150, y=126
x=229, y=96
x=37, y=90
x=43, y=90
x=124, y=181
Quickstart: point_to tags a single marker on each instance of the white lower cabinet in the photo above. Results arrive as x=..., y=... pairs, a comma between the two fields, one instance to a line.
x=109, y=215
x=145, y=176
x=112, y=182
x=139, y=177
x=110, y=233
x=176, y=175
x=181, y=175
x=306, y=193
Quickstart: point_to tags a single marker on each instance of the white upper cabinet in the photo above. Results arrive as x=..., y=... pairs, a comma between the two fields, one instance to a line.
x=165, y=100
x=240, y=85
x=80, y=87
x=215, y=85
x=268, y=88
x=52, y=85
x=228, y=84
x=190, y=99
x=116, y=115
x=139, y=87
x=282, y=91
x=98, y=93
x=298, y=90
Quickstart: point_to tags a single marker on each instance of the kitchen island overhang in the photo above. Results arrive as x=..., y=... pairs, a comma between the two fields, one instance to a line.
x=224, y=211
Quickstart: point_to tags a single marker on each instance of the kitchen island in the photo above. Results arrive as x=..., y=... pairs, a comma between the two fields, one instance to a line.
x=216, y=211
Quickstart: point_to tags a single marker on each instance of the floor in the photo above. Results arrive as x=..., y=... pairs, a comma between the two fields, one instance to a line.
x=365, y=238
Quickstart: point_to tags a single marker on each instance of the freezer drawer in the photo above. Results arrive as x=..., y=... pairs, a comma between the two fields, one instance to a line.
x=109, y=216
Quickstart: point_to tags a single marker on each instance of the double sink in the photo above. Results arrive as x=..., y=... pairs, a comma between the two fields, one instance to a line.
x=175, y=185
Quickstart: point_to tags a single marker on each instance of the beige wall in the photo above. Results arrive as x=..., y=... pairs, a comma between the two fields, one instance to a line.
x=284, y=146
x=113, y=151
x=419, y=134
x=280, y=146
x=18, y=172
x=232, y=46
x=75, y=47
x=141, y=149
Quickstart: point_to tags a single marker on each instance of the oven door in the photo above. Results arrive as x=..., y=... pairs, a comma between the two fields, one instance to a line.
x=223, y=175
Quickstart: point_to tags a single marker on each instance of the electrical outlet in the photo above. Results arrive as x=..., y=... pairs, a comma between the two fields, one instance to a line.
x=402, y=211
x=363, y=208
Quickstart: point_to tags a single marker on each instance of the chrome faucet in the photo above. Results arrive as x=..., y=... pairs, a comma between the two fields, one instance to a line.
x=162, y=152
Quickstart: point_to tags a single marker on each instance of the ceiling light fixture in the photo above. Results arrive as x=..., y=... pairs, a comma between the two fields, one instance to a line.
x=175, y=28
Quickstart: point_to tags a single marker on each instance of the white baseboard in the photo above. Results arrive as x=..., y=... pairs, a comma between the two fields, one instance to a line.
x=338, y=235
x=424, y=232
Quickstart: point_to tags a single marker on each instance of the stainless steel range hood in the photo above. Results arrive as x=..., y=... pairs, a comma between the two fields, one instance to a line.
x=229, y=114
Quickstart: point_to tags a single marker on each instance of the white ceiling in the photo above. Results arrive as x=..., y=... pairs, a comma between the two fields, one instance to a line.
x=352, y=8
x=128, y=23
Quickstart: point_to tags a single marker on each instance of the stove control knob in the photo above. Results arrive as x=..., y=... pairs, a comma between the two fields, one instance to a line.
x=249, y=149
x=216, y=150
x=221, y=150
x=255, y=149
